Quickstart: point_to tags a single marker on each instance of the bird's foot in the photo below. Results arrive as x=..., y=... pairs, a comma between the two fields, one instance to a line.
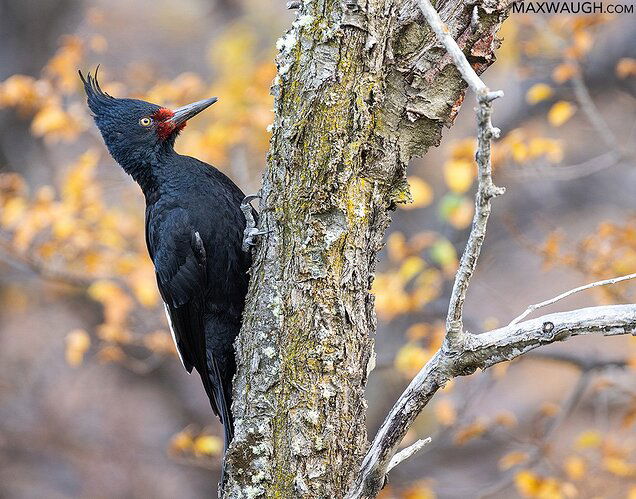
x=251, y=232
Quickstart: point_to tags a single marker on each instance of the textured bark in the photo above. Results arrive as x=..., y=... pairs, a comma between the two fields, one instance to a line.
x=360, y=91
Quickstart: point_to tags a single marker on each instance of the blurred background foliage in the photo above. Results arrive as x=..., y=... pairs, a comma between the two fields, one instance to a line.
x=93, y=400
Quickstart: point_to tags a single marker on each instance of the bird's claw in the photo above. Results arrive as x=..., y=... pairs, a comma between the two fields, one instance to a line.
x=250, y=235
x=251, y=232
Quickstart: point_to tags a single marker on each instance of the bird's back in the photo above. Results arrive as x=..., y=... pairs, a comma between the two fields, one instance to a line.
x=194, y=228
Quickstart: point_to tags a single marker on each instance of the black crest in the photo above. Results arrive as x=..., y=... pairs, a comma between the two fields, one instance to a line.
x=97, y=98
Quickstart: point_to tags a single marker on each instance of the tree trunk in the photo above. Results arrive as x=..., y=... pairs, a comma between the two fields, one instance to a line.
x=360, y=91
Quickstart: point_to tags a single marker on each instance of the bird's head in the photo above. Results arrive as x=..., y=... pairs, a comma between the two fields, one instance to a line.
x=136, y=131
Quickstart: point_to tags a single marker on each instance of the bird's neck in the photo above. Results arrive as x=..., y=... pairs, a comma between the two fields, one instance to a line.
x=151, y=172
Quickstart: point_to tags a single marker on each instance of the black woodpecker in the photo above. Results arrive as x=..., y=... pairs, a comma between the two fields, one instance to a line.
x=194, y=234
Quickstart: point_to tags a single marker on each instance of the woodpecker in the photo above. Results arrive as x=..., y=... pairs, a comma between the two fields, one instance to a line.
x=194, y=234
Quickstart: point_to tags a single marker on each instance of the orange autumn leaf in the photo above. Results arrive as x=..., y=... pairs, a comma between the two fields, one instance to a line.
x=445, y=412
x=512, y=459
x=470, y=432
x=564, y=72
x=626, y=67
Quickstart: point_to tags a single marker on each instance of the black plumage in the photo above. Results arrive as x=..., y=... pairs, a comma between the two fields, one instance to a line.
x=194, y=232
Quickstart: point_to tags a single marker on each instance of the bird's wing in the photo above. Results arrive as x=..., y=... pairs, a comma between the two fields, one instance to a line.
x=179, y=257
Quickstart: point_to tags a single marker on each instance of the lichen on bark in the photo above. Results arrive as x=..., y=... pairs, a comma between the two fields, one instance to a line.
x=359, y=92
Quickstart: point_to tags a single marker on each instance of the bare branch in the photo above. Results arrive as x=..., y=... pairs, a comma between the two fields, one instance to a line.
x=486, y=190
x=480, y=352
x=592, y=112
x=404, y=454
x=545, y=303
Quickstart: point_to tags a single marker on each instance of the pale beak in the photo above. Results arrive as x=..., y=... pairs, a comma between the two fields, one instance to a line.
x=184, y=113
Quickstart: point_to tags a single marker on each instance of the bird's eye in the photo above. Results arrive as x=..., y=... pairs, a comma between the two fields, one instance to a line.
x=145, y=121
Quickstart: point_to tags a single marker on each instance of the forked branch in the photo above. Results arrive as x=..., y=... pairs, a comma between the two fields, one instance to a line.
x=463, y=353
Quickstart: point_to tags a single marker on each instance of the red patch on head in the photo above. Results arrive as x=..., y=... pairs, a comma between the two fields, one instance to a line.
x=165, y=128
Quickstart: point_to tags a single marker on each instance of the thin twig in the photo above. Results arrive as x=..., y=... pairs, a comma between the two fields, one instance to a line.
x=486, y=190
x=592, y=111
x=538, y=451
x=545, y=303
x=404, y=454
x=584, y=363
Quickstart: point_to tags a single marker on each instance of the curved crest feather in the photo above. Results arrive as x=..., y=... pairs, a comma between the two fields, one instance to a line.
x=95, y=95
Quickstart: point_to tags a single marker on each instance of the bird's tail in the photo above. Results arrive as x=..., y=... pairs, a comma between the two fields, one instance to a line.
x=222, y=400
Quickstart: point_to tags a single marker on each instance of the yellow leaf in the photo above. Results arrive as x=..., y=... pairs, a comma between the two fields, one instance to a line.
x=519, y=151
x=575, y=467
x=528, y=484
x=110, y=353
x=412, y=266
x=418, y=331
x=116, y=304
x=582, y=44
x=619, y=467
x=464, y=149
x=461, y=215
x=631, y=494
x=208, y=445
x=411, y=358
x=550, y=148
x=421, y=192
x=12, y=212
x=113, y=333
x=181, y=442
x=103, y=290
x=561, y=112
x=76, y=186
x=63, y=65
x=538, y=92
x=589, y=439
x=626, y=67
x=506, y=418
x=445, y=412
x=512, y=459
x=19, y=91
x=396, y=246
x=54, y=122
x=146, y=292
x=160, y=342
x=459, y=174
x=63, y=226
x=77, y=343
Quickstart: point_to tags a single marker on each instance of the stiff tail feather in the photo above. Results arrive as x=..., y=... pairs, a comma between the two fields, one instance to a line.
x=221, y=404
